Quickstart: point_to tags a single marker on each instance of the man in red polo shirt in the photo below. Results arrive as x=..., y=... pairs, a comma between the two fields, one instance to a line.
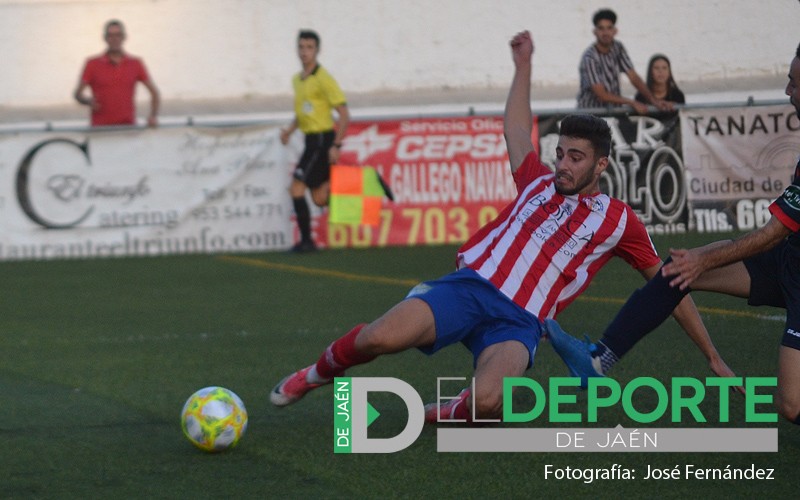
x=112, y=78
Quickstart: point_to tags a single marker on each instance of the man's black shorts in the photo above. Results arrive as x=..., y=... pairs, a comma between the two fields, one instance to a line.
x=775, y=281
x=314, y=169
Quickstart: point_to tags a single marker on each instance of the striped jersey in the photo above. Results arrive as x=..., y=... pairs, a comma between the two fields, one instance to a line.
x=544, y=248
x=596, y=67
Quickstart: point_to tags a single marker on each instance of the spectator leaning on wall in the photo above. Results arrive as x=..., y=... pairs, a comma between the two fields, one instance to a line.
x=112, y=78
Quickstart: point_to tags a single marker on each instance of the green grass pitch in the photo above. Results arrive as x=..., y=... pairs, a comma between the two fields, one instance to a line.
x=99, y=356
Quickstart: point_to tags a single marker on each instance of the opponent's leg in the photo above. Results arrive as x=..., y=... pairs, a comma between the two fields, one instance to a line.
x=408, y=324
x=787, y=398
x=644, y=311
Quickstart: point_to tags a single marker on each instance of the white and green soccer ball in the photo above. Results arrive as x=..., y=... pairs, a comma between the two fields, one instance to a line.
x=214, y=419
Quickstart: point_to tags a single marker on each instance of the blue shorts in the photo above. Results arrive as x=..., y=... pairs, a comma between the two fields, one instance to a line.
x=775, y=281
x=469, y=309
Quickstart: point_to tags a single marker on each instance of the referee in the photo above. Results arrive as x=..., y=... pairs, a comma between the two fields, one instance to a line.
x=316, y=94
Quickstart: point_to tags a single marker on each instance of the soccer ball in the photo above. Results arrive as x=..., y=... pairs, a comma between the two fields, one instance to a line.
x=214, y=419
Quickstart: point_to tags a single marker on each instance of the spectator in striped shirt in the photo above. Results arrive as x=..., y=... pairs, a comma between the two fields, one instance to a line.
x=520, y=269
x=601, y=65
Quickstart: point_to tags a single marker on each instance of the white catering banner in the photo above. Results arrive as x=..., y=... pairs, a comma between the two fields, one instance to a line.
x=143, y=192
x=737, y=160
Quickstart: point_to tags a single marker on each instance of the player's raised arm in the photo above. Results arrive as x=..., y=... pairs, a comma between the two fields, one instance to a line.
x=518, y=121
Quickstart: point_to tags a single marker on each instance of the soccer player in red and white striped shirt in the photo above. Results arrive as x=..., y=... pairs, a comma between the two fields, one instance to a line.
x=524, y=267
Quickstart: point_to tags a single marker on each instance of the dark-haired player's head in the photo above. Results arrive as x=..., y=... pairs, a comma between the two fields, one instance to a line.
x=584, y=143
x=589, y=127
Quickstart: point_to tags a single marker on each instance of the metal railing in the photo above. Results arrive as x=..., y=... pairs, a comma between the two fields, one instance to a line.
x=366, y=114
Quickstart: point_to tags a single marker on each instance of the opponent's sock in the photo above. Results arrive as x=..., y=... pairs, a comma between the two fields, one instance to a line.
x=303, y=215
x=644, y=311
x=338, y=357
x=603, y=357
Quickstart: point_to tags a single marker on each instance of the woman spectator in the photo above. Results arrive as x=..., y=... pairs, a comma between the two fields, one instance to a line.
x=660, y=81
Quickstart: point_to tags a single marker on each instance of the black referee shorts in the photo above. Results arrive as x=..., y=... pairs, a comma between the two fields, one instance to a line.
x=314, y=169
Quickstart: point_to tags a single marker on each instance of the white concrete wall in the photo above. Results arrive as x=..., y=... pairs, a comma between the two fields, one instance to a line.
x=220, y=49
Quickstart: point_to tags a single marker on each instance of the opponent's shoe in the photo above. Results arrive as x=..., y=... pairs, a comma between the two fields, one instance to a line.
x=437, y=413
x=576, y=354
x=293, y=387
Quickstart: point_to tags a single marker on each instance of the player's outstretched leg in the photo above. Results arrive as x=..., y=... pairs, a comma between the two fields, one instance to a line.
x=339, y=356
x=408, y=324
x=576, y=354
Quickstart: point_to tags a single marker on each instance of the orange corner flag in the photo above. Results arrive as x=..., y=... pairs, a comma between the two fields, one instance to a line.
x=356, y=195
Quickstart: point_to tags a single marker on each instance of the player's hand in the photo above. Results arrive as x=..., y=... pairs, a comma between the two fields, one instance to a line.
x=721, y=369
x=686, y=266
x=522, y=48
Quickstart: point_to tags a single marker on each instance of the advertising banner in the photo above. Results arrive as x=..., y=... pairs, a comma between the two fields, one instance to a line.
x=449, y=176
x=738, y=160
x=143, y=192
x=211, y=190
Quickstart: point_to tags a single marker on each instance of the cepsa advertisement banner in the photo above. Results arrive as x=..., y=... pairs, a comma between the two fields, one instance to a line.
x=737, y=160
x=449, y=177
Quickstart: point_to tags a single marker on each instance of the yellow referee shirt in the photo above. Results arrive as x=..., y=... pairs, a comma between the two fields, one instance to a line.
x=314, y=99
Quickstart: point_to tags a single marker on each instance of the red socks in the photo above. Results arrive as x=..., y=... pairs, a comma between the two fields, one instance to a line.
x=341, y=355
x=461, y=410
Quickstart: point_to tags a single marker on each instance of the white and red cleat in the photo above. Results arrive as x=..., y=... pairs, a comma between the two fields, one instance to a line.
x=293, y=387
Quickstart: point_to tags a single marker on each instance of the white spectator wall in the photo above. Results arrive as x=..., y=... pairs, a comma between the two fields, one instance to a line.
x=231, y=49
